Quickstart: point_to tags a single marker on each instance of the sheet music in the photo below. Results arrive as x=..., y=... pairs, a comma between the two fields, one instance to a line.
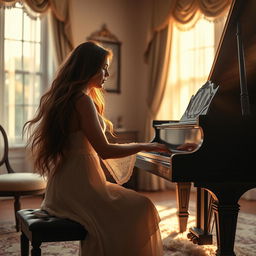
x=198, y=105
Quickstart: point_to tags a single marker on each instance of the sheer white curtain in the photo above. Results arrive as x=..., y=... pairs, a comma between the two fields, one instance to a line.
x=191, y=57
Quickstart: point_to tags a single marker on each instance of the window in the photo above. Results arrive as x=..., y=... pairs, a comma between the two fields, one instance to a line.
x=192, y=55
x=22, y=69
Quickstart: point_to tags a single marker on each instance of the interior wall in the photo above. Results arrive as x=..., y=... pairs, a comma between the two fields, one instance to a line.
x=129, y=21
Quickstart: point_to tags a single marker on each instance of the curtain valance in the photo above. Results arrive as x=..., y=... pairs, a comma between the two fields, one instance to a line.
x=58, y=7
x=59, y=10
x=185, y=11
x=182, y=12
x=39, y=6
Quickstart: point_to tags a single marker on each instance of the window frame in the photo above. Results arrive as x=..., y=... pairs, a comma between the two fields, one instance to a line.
x=43, y=69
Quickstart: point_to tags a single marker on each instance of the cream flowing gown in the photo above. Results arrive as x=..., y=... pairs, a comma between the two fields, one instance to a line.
x=120, y=221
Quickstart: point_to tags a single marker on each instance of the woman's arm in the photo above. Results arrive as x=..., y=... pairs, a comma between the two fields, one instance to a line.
x=91, y=127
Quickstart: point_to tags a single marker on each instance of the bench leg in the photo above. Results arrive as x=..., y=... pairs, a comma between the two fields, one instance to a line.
x=36, y=251
x=24, y=245
x=16, y=209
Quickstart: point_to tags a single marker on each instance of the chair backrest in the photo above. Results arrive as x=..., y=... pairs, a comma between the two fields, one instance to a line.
x=5, y=159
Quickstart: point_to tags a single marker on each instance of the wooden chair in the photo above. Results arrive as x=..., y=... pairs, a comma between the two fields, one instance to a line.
x=16, y=184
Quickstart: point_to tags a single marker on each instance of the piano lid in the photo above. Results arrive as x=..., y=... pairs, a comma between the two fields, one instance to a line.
x=225, y=68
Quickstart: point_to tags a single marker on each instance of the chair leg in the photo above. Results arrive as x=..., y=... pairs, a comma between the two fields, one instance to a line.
x=36, y=251
x=16, y=208
x=24, y=245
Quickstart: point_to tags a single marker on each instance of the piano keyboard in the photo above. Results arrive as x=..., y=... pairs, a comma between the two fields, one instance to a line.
x=159, y=156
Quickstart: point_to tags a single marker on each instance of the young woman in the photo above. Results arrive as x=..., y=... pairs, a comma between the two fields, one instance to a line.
x=68, y=143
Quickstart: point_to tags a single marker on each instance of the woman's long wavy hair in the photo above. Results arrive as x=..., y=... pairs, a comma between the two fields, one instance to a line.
x=47, y=132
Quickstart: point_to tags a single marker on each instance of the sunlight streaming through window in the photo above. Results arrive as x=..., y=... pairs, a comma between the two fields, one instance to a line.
x=192, y=54
x=22, y=69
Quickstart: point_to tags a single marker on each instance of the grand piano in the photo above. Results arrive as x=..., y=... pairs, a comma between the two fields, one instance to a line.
x=213, y=143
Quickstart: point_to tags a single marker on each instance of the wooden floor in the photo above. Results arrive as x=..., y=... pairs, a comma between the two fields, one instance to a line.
x=6, y=206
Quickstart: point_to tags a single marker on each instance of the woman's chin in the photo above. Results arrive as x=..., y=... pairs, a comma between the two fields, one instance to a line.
x=100, y=86
x=103, y=84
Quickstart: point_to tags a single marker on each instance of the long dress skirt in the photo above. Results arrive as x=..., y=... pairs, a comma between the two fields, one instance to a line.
x=120, y=221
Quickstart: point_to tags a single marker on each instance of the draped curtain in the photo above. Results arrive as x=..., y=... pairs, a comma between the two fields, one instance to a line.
x=59, y=21
x=165, y=13
x=184, y=13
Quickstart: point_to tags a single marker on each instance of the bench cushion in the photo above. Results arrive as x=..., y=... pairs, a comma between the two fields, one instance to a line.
x=49, y=228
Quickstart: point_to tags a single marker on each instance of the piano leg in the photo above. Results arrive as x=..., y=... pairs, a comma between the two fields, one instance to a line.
x=200, y=234
x=225, y=208
x=183, y=194
x=226, y=219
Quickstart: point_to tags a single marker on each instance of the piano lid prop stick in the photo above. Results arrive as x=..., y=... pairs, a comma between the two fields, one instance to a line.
x=244, y=97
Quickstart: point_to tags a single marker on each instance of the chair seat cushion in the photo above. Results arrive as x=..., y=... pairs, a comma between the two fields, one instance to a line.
x=21, y=182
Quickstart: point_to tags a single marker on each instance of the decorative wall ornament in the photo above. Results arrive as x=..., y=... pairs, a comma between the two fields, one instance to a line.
x=110, y=41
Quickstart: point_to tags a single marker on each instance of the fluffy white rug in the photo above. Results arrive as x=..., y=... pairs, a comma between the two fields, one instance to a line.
x=176, y=244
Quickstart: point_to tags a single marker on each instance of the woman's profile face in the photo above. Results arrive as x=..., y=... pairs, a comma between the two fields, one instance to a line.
x=100, y=77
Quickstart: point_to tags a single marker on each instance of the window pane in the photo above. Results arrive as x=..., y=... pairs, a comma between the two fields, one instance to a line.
x=38, y=30
x=28, y=113
x=18, y=89
x=19, y=121
x=32, y=89
x=28, y=89
x=12, y=55
x=38, y=57
x=29, y=57
x=6, y=87
x=13, y=23
x=37, y=89
x=5, y=105
x=29, y=28
x=10, y=88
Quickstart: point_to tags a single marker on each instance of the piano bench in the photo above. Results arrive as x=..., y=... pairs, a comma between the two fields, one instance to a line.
x=38, y=228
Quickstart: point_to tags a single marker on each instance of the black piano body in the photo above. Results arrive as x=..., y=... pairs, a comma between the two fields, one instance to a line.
x=223, y=161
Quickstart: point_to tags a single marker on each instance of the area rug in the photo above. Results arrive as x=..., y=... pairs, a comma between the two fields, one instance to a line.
x=175, y=244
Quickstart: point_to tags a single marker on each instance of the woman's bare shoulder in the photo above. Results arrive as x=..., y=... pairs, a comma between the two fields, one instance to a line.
x=84, y=103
